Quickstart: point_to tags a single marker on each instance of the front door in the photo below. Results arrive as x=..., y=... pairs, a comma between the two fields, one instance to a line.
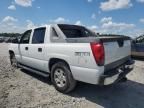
x=24, y=48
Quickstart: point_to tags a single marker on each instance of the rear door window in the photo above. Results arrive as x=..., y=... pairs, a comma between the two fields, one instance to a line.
x=38, y=36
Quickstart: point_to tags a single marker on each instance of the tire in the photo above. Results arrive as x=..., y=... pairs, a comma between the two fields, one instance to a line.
x=62, y=78
x=13, y=61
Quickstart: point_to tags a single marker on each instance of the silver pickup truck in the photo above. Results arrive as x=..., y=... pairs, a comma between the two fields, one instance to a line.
x=71, y=53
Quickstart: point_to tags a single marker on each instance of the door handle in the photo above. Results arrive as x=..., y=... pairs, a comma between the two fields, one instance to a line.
x=26, y=48
x=39, y=49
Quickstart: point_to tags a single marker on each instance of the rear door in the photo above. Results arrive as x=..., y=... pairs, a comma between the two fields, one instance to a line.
x=36, y=49
x=24, y=48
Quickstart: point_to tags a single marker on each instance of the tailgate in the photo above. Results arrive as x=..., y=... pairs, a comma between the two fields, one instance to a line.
x=116, y=48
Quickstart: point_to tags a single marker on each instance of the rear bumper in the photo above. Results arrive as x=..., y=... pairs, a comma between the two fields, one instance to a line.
x=117, y=74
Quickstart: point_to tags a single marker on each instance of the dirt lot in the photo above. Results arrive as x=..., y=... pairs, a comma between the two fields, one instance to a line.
x=21, y=89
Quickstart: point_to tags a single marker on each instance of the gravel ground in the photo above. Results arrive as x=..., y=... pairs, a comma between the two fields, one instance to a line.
x=22, y=89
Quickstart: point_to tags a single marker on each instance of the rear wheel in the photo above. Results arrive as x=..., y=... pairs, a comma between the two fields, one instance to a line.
x=62, y=78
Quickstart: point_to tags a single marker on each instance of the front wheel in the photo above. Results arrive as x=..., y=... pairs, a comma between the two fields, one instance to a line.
x=62, y=78
x=13, y=61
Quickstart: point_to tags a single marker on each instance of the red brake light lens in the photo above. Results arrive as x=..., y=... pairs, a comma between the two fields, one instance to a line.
x=98, y=53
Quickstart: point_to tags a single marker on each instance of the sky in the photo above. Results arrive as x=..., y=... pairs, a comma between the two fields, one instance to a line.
x=124, y=17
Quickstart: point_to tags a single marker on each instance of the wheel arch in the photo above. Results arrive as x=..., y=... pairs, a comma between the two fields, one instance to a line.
x=11, y=52
x=52, y=61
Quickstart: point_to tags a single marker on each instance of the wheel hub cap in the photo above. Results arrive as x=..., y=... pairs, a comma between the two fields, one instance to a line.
x=59, y=77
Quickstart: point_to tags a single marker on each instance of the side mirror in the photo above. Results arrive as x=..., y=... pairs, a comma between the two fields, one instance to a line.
x=15, y=40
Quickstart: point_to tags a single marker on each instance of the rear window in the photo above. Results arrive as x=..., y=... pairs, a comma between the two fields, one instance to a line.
x=74, y=31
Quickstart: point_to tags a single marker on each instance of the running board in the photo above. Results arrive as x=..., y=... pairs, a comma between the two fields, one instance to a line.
x=44, y=74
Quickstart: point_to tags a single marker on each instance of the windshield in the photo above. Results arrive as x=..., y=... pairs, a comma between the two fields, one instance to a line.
x=74, y=31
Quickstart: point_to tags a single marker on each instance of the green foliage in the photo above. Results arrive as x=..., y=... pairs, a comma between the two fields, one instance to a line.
x=10, y=34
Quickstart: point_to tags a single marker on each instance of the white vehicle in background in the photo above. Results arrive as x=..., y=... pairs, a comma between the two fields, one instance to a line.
x=71, y=53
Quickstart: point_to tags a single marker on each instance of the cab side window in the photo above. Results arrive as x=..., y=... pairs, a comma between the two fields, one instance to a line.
x=26, y=37
x=38, y=36
x=54, y=33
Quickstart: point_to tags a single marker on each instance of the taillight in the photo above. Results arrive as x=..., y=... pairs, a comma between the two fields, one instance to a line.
x=98, y=53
